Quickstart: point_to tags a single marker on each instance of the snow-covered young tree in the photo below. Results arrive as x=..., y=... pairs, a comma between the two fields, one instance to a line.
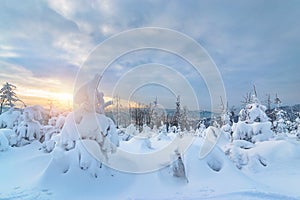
x=178, y=167
x=8, y=96
x=280, y=126
x=253, y=124
x=29, y=129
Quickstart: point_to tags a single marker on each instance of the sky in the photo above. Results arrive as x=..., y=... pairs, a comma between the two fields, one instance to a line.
x=45, y=44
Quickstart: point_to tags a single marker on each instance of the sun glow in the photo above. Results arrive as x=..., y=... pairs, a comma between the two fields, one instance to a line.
x=59, y=99
x=63, y=97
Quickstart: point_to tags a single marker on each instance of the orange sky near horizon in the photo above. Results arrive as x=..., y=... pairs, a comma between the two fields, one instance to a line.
x=61, y=100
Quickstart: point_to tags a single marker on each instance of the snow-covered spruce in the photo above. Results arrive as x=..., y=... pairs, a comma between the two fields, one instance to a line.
x=29, y=129
x=253, y=124
x=51, y=132
x=87, y=137
x=281, y=124
x=200, y=131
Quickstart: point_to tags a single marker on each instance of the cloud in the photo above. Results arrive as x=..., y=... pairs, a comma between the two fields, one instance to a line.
x=24, y=79
x=251, y=42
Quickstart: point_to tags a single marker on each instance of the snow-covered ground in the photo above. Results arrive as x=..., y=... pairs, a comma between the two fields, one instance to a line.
x=28, y=172
x=63, y=157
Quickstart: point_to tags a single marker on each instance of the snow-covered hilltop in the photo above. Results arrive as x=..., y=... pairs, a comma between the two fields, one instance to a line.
x=82, y=154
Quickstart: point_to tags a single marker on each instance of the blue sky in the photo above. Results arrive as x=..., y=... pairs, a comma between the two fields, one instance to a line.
x=44, y=43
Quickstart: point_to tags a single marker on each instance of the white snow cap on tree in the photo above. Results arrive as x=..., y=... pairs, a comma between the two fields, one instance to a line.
x=253, y=124
x=87, y=128
x=35, y=112
x=29, y=129
x=9, y=118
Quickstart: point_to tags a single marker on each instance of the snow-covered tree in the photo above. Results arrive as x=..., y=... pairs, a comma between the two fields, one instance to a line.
x=280, y=123
x=178, y=167
x=8, y=96
x=29, y=129
x=163, y=133
x=10, y=119
x=176, y=116
x=226, y=117
x=296, y=125
x=200, y=131
x=226, y=122
x=253, y=124
x=184, y=122
x=155, y=114
x=87, y=133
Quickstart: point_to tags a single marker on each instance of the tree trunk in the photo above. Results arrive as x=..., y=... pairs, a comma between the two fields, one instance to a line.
x=1, y=108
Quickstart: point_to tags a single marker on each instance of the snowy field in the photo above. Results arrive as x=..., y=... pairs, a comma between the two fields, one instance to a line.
x=27, y=173
x=149, y=100
x=62, y=156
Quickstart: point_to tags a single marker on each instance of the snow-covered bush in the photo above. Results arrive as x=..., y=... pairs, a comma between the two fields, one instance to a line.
x=122, y=134
x=238, y=152
x=89, y=156
x=162, y=133
x=54, y=127
x=52, y=121
x=178, y=167
x=10, y=135
x=146, y=130
x=29, y=129
x=24, y=127
x=253, y=124
x=128, y=133
x=200, y=129
x=255, y=132
x=9, y=118
x=36, y=113
x=60, y=121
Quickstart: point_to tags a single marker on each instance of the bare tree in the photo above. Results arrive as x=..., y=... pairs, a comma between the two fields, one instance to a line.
x=246, y=99
x=277, y=101
x=176, y=116
x=269, y=101
x=254, y=90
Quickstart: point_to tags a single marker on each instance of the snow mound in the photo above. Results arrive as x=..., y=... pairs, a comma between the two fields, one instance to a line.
x=215, y=160
x=137, y=144
x=4, y=143
x=9, y=118
x=255, y=132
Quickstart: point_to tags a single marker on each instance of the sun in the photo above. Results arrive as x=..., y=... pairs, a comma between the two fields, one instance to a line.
x=63, y=99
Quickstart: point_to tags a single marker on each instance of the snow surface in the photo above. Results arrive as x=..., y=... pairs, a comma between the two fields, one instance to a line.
x=57, y=162
x=28, y=173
